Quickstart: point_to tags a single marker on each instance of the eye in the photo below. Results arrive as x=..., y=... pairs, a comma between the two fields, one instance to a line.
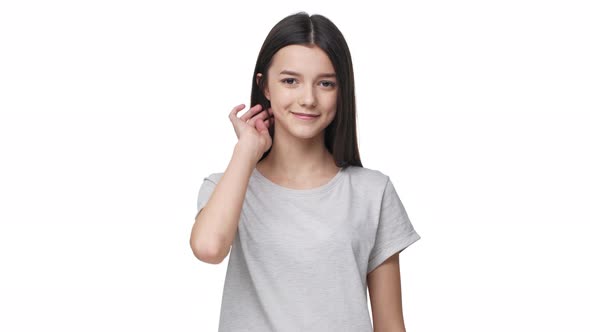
x=325, y=84
x=287, y=79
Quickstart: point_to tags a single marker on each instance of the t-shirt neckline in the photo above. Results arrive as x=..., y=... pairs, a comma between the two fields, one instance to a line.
x=280, y=189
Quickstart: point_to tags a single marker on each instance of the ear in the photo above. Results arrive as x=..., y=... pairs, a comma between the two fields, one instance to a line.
x=266, y=92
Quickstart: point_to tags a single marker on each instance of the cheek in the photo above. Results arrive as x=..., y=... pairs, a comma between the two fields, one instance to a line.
x=331, y=105
x=278, y=91
x=329, y=100
x=331, y=116
x=282, y=101
x=284, y=96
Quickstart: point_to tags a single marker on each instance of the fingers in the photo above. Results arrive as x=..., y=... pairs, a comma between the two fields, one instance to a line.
x=267, y=123
x=264, y=115
x=251, y=112
x=233, y=114
x=260, y=126
x=252, y=115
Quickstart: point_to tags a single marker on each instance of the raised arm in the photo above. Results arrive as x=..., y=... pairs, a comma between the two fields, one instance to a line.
x=216, y=224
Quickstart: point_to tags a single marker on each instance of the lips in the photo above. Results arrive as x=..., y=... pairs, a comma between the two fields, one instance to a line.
x=305, y=114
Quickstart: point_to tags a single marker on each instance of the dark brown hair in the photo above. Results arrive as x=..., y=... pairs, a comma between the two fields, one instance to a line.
x=340, y=136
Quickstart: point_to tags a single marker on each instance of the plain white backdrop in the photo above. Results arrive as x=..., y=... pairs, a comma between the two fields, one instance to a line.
x=113, y=112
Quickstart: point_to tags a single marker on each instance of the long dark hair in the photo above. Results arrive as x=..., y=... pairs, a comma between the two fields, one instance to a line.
x=301, y=28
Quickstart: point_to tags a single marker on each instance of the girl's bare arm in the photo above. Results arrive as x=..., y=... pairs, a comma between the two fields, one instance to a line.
x=384, y=284
x=216, y=224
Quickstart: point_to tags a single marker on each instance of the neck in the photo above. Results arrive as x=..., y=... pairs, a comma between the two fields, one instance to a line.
x=293, y=156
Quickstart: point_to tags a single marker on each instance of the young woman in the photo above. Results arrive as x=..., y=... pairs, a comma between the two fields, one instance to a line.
x=308, y=226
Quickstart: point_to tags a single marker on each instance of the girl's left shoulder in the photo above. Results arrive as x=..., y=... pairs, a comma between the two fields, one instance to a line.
x=367, y=176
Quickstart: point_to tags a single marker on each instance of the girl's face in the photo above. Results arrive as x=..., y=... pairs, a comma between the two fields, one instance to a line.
x=301, y=79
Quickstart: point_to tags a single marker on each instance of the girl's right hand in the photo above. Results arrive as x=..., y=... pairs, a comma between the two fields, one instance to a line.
x=252, y=128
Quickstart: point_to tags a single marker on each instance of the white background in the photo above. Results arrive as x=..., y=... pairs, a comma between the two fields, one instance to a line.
x=113, y=112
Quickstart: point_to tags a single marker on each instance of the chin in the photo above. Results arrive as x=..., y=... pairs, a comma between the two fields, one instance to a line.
x=310, y=136
x=305, y=133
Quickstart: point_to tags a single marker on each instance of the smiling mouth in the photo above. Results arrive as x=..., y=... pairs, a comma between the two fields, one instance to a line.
x=305, y=117
x=305, y=114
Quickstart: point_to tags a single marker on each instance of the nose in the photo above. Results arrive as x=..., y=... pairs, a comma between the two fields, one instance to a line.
x=307, y=98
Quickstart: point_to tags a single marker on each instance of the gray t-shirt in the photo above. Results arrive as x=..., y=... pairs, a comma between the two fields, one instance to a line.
x=300, y=258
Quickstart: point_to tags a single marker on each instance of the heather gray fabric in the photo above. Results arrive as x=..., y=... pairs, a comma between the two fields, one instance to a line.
x=300, y=258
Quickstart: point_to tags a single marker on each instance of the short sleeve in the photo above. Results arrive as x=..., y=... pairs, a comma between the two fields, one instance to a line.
x=205, y=192
x=395, y=232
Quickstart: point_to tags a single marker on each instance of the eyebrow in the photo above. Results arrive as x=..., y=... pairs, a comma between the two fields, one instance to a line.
x=289, y=72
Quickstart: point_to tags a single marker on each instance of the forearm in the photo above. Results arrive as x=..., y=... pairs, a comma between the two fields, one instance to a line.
x=216, y=225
